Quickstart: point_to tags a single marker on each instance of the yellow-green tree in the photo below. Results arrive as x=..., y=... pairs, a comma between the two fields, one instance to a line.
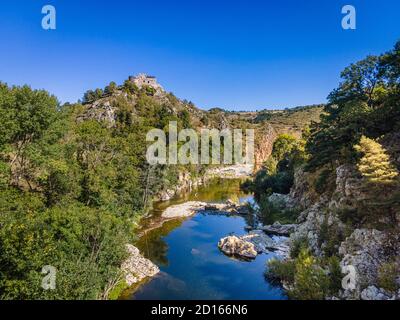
x=375, y=164
x=380, y=206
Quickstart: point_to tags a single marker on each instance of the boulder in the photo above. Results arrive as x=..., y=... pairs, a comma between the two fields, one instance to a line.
x=280, y=201
x=367, y=250
x=262, y=242
x=374, y=293
x=234, y=246
x=256, y=240
x=243, y=210
x=136, y=267
x=278, y=229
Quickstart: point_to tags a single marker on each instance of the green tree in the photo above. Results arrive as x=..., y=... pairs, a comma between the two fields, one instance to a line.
x=111, y=88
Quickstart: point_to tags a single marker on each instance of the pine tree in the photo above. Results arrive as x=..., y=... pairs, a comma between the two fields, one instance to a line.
x=375, y=165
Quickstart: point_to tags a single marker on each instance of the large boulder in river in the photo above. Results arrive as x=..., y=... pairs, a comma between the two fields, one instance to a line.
x=234, y=246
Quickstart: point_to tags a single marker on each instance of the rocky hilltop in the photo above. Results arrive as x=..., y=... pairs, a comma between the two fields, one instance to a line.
x=139, y=99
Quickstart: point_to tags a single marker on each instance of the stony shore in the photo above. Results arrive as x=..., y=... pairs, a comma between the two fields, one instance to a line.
x=136, y=267
x=190, y=208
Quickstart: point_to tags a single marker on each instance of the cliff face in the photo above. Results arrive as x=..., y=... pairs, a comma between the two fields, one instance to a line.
x=264, y=143
x=367, y=248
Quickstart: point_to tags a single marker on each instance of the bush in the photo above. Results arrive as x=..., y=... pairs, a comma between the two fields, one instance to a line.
x=387, y=277
x=307, y=277
x=335, y=275
x=270, y=213
x=310, y=280
x=329, y=237
x=297, y=246
x=281, y=270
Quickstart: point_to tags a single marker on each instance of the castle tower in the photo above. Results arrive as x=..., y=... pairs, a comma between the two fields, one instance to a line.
x=142, y=80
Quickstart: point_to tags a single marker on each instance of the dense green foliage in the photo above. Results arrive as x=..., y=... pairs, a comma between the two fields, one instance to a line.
x=73, y=186
x=359, y=128
x=307, y=277
x=365, y=104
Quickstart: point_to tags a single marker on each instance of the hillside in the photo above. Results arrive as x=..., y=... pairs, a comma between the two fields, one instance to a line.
x=148, y=102
x=340, y=191
x=80, y=172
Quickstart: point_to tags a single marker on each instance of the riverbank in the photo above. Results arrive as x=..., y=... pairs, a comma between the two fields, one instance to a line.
x=187, y=235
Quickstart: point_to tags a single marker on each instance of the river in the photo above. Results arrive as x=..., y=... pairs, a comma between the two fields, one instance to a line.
x=192, y=267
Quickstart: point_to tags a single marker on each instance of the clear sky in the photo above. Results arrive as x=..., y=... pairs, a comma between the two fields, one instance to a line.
x=238, y=55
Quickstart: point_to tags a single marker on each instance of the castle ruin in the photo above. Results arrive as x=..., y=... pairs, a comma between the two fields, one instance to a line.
x=143, y=80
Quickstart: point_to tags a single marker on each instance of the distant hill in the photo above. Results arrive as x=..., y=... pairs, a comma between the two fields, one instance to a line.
x=146, y=102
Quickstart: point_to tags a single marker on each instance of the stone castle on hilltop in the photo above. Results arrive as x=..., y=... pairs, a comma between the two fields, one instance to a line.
x=143, y=80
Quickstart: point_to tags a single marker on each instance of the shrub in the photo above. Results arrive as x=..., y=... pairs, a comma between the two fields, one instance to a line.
x=335, y=275
x=281, y=270
x=310, y=280
x=297, y=246
x=387, y=276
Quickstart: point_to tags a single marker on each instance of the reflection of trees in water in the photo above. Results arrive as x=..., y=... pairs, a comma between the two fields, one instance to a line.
x=218, y=190
x=152, y=244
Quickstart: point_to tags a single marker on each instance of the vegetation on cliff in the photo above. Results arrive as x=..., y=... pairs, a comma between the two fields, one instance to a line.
x=73, y=184
x=358, y=131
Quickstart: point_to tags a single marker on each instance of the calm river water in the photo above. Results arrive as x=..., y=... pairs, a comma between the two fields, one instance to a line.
x=192, y=266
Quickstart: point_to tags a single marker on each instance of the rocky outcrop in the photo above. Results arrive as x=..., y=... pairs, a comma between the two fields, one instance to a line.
x=302, y=194
x=367, y=250
x=234, y=246
x=257, y=240
x=264, y=142
x=349, y=191
x=374, y=293
x=280, y=201
x=136, y=267
x=278, y=229
x=100, y=110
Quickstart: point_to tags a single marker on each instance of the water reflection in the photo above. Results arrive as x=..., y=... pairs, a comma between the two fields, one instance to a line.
x=192, y=267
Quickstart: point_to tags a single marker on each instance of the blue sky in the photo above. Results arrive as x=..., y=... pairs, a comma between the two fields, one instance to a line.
x=238, y=55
